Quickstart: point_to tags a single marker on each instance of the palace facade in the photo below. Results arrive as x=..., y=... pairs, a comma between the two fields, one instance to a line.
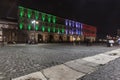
x=38, y=27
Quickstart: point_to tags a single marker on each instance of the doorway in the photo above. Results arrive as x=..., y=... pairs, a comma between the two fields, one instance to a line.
x=40, y=38
x=51, y=38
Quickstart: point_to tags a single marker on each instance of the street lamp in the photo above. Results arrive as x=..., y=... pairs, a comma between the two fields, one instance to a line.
x=34, y=22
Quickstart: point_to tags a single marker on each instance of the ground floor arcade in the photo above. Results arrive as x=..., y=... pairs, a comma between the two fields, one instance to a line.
x=18, y=36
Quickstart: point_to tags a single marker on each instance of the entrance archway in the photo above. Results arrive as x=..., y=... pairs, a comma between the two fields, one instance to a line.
x=51, y=38
x=60, y=38
x=40, y=38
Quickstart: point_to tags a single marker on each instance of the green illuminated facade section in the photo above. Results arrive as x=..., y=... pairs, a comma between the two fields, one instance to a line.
x=29, y=27
x=63, y=30
x=54, y=19
x=36, y=15
x=43, y=17
x=49, y=18
x=21, y=13
x=43, y=28
x=36, y=27
x=53, y=29
x=21, y=26
x=48, y=29
x=58, y=30
x=29, y=14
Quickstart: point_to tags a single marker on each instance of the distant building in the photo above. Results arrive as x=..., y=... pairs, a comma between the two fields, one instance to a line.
x=43, y=27
x=35, y=27
x=8, y=30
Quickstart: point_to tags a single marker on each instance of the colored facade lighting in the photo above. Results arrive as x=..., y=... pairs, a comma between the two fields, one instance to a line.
x=49, y=18
x=70, y=23
x=36, y=15
x=72, y=32
x=21, y=11
x=43, y=17
x=73, y=23
x=63, y=30
x=29, y=27
x=66, y=31
x=66, y=22
x=29, y=14
x=69, y=31
x=36, y=27
x=76, y=31
x=21, y=26
x=79, y=32
x=53, y=29
x=54, y=19
x=43, y=28
x=72, y=27
x=76, y=24
x=48, y=29
x=58, y=30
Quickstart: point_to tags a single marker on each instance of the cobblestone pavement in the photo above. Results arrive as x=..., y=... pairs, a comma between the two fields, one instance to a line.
x=16, y=61
x=110, y=71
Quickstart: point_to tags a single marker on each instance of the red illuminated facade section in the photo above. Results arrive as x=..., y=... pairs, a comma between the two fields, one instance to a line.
x=89, y=31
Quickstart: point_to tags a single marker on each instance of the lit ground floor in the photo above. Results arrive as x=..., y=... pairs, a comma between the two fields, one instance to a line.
x=19, y=36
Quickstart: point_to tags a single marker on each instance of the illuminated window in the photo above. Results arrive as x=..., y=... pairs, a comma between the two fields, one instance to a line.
x=72, y=32
x=77, y=32
x=77, y=24
x=70, y=22
x=36, y=27
x=21, y=11
x=36, y=15
x=73, y=23
x=43, y=28
x=49, y=18
x=48, y=29
x=29, y=14
x=54, y=19
x=43, y=17
x=54, y=29
x=29, y=27
x=21, y=26
x=63, y=30
x=66, y=22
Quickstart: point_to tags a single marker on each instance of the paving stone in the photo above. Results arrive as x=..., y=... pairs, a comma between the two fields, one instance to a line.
x=62, y=72
x=1, y=77
x=81, y=61
x=1, y=73
x=95, y=65
x=100, y=59
x=34, y=76
x=80, y=67
x=87, y=63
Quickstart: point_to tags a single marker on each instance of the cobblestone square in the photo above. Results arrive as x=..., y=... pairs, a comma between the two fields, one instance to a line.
x=20, y=60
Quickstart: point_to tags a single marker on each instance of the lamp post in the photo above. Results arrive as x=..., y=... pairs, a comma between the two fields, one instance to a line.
x=34, y=22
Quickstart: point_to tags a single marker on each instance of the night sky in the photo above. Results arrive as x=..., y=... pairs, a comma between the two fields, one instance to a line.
x=104, y=14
